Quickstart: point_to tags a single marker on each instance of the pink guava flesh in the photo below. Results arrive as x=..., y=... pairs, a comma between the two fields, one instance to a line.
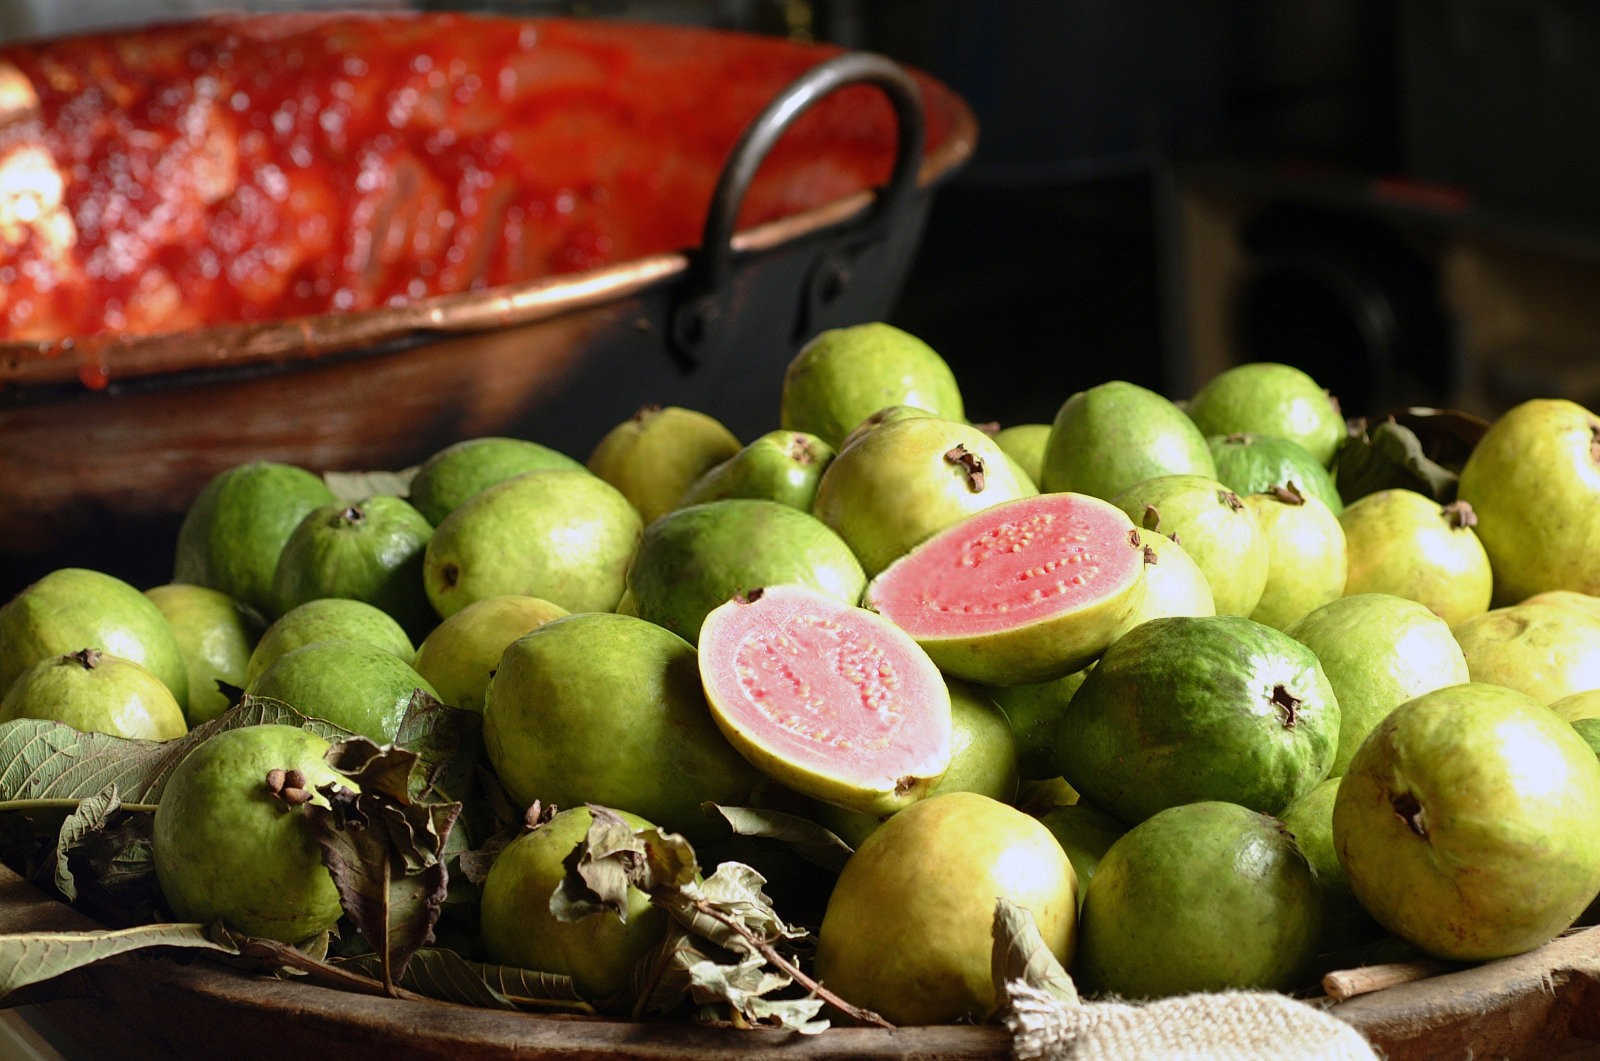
x=1009, y=566
x=825, y=688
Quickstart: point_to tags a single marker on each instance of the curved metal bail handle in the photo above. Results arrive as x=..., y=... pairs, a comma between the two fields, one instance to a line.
x=714, y=261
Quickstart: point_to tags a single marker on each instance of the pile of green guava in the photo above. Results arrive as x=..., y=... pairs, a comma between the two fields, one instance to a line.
x=1222, y=693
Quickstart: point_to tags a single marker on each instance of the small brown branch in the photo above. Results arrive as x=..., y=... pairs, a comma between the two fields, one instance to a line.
x=1343, y=984
x=770, y=953
x=331, y=975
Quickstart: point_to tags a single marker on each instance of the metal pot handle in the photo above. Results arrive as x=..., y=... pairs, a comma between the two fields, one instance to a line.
x=694, y=324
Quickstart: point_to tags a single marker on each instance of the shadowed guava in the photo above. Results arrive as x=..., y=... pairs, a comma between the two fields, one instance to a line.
x=229, y=846
x=608, y=709
x=1378, y=651
x=1181, y=710
x=1466, y=823
x=1026, y=591
x=983, y=759
x=564, y=536
x=73, y=608
x=1173, y=584
x=1203, y=897
x=1035, y=711
x=692, y=560
x=460, y=656
x=1085, y=833
x=828, y=699
x=1254, y=464
x=1025, y=444
x=216, y=635
x=1112, y=437
x=94, y=692
x=360, y=687
x=781, y=466
x=889, y=414
x=1310, y=820
x=656, y=454
x=1534, y=482
x=1583, y=711
x=1403, y=543
x=371, y=551
x=234, y=529
x=1306, y=562
x=908, y=932
x=458, y=471
x=1266, y=398
x=844, y=375
x=599, y=951
x=1218, y=532
x=329, y=619
x=1547, y=651
x=1585, y=603
x=909, y=479
x=626, y=605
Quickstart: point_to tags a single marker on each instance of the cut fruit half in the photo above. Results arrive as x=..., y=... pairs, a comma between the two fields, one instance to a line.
x=1025, y=591
x=831, y=700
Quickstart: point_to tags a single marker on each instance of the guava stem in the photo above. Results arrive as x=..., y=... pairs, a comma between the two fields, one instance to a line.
x=1342, y=984
x=332, y=975
x=770, y=953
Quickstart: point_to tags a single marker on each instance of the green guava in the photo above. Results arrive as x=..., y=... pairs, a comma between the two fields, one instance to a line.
x=94, y=692
x=1306, y=565
x=1568, y=598
x=458, y=471
x=983, y=759
x=1109, y=438
x=626, y=605
x=1266, y=398
x=1378, y=651
x=360, y=687
x=599, y=952
x=844, y=375
x=230, y=847
x=693, y=559
x=608, y=709
x=1254, y=464
x=1025, y=444
x=1403, y=543
x=216, y=635
x=908, y=931
x=1215, y=528
x=656, y=454
x=1466, y=823
x=1534, y=481
x=1035, y=712
x=1181, y=710
x=371, y=551
x=1310, y=820
x=781, y=466
x=1547, y=651
x=1085, y=833
x=909, y=479
x=329, y=619
x=73, y=608
x=1208, y=896
x=889, y=414
x=1173, y=584
x=565, y=536
x=235, y=528
x=1583, y=711
x=460, y=656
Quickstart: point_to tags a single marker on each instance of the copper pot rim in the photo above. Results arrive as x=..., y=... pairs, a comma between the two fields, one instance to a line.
x=236, y=345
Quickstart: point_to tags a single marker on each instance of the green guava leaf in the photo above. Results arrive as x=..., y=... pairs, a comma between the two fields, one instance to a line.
x=91, y=816
x=812, y=842
x=1021, y=955
x=358, y=486
x=599, y=869
x=31, y=957
x=105, y=863
x=1390, y=456
x=443, y=974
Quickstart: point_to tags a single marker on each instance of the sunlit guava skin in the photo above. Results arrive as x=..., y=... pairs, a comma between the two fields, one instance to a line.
x=598, y=952
x=1306, y=564
x=1254, y=464
x=908, y=931
x=1548, y=651
x=1173, y=584
x=362, y=688
x=655, y=455
x=1400, y=542
x=1466, y=823
x=329, y=619
x=216, y=636
x=458, y=471
x=227, y=848
x=459, y=657
x=1025, y=444
x=94, y=692
x=1267, y=398
x=1215, y=528
x=1111, y=437
x=843, y=375
x=781, y=466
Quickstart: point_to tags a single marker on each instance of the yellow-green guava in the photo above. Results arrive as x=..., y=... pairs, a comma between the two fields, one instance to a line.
x=96, y=693
x=229, y=847
x=216, y=635
x=1267, y=398
x=1306, y=564
x=598, y=952
x=1173, y=584
x=1035, y=712
x=781, y=466
x=1255, y=464
x=1400, y=542
x=328, y=619
x=843, y=375
x=908, y=931
x=1584, y=602
x=1548, y=651
x=1085, y=833
x=1025, y=444
x=1310, y=820
x=360, y=687
x=370, y=551
x=1218, y=532
x=656, y=454
x=1111, y=437
x=1583, y=711
x=889, y=414
x=459, y=657
x=460, y=470
x=1466, y=823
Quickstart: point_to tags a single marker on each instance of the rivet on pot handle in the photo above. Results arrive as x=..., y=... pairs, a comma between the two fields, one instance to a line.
x=695, y=323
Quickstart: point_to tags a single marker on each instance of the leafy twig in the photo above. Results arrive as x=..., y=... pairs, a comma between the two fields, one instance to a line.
x=283, y=954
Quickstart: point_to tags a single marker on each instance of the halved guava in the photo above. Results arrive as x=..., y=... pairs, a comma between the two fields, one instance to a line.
x=1024, y=591
x=831, y=700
